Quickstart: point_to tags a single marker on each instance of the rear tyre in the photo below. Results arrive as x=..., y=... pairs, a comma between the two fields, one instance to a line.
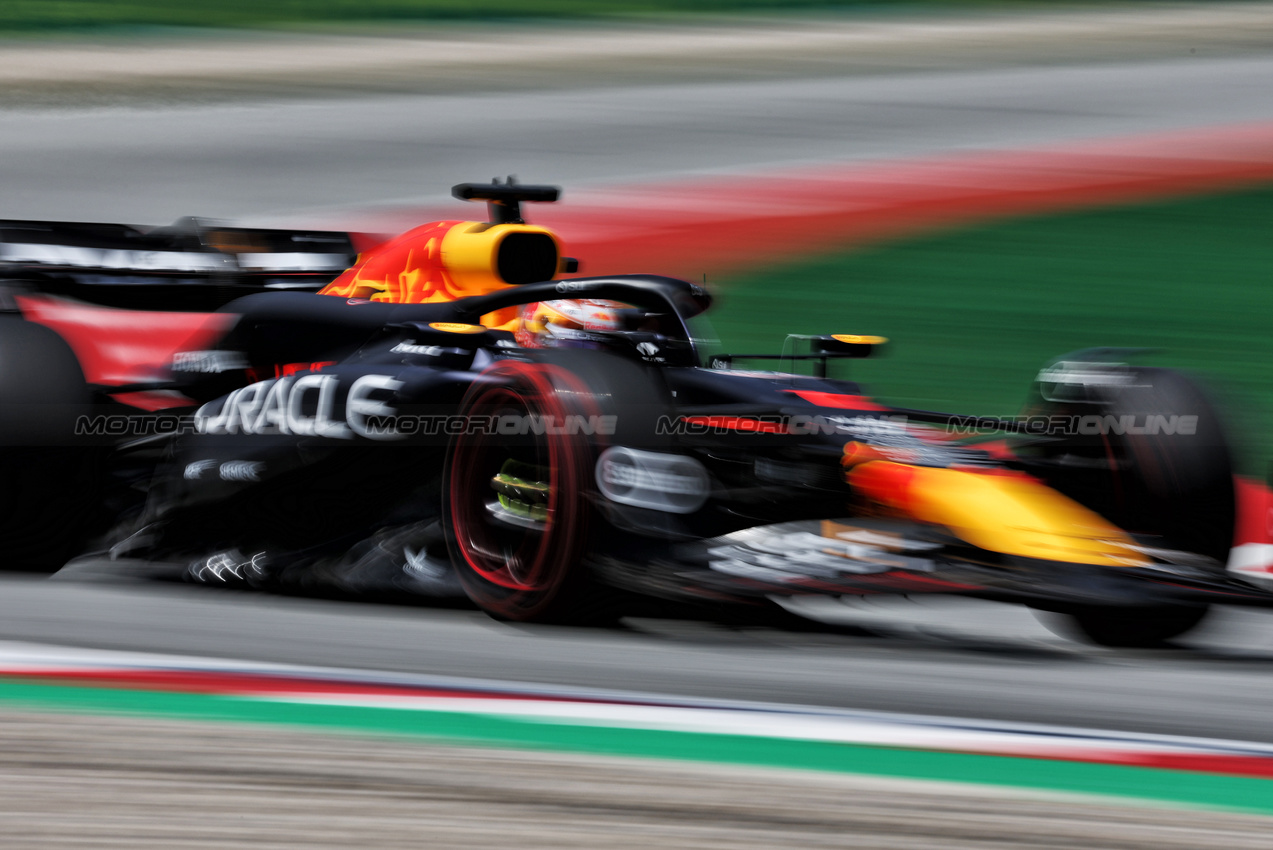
x=48, y=484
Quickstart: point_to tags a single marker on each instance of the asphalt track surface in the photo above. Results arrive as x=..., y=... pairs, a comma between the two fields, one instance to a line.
x=308, y=159
x=323, y=158
x=953, y=657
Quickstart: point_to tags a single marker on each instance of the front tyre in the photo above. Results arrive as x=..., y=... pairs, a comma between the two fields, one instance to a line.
x=1171, y=486
x=1127, y=627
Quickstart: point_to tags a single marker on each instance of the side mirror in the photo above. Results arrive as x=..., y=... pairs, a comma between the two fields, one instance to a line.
x=846, y=345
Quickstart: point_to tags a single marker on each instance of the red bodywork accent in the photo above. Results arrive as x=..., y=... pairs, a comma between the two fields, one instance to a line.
x=117, y=347
x=153, y=401
x=997, y=449
x=364, y=242
x=1255, y=512
x=408, y=269
x=286, y=370
x=840, y=400
x=886, y=483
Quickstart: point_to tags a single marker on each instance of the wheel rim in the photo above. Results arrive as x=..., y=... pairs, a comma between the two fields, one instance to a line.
x=520, y=557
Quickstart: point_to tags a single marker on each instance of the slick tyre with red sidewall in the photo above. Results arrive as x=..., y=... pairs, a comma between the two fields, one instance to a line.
x=523, y=559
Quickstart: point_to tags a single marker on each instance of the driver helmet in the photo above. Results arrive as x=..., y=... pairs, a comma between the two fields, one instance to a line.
x=574, y=323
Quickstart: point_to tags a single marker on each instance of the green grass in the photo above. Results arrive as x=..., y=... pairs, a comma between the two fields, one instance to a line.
x=973, y=313
x=38, y=16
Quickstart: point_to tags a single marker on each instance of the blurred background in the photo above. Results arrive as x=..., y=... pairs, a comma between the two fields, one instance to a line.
x=988, y=184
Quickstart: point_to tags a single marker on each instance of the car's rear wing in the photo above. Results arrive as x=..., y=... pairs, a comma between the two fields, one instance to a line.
x=194, y=264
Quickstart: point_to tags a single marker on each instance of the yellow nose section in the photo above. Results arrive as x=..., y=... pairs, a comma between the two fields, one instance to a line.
x=1000, y=511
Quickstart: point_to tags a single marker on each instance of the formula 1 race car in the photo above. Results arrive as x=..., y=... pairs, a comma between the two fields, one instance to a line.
x=448, y=417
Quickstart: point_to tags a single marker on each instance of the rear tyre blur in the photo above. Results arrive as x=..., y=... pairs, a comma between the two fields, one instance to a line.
x=48, y=484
